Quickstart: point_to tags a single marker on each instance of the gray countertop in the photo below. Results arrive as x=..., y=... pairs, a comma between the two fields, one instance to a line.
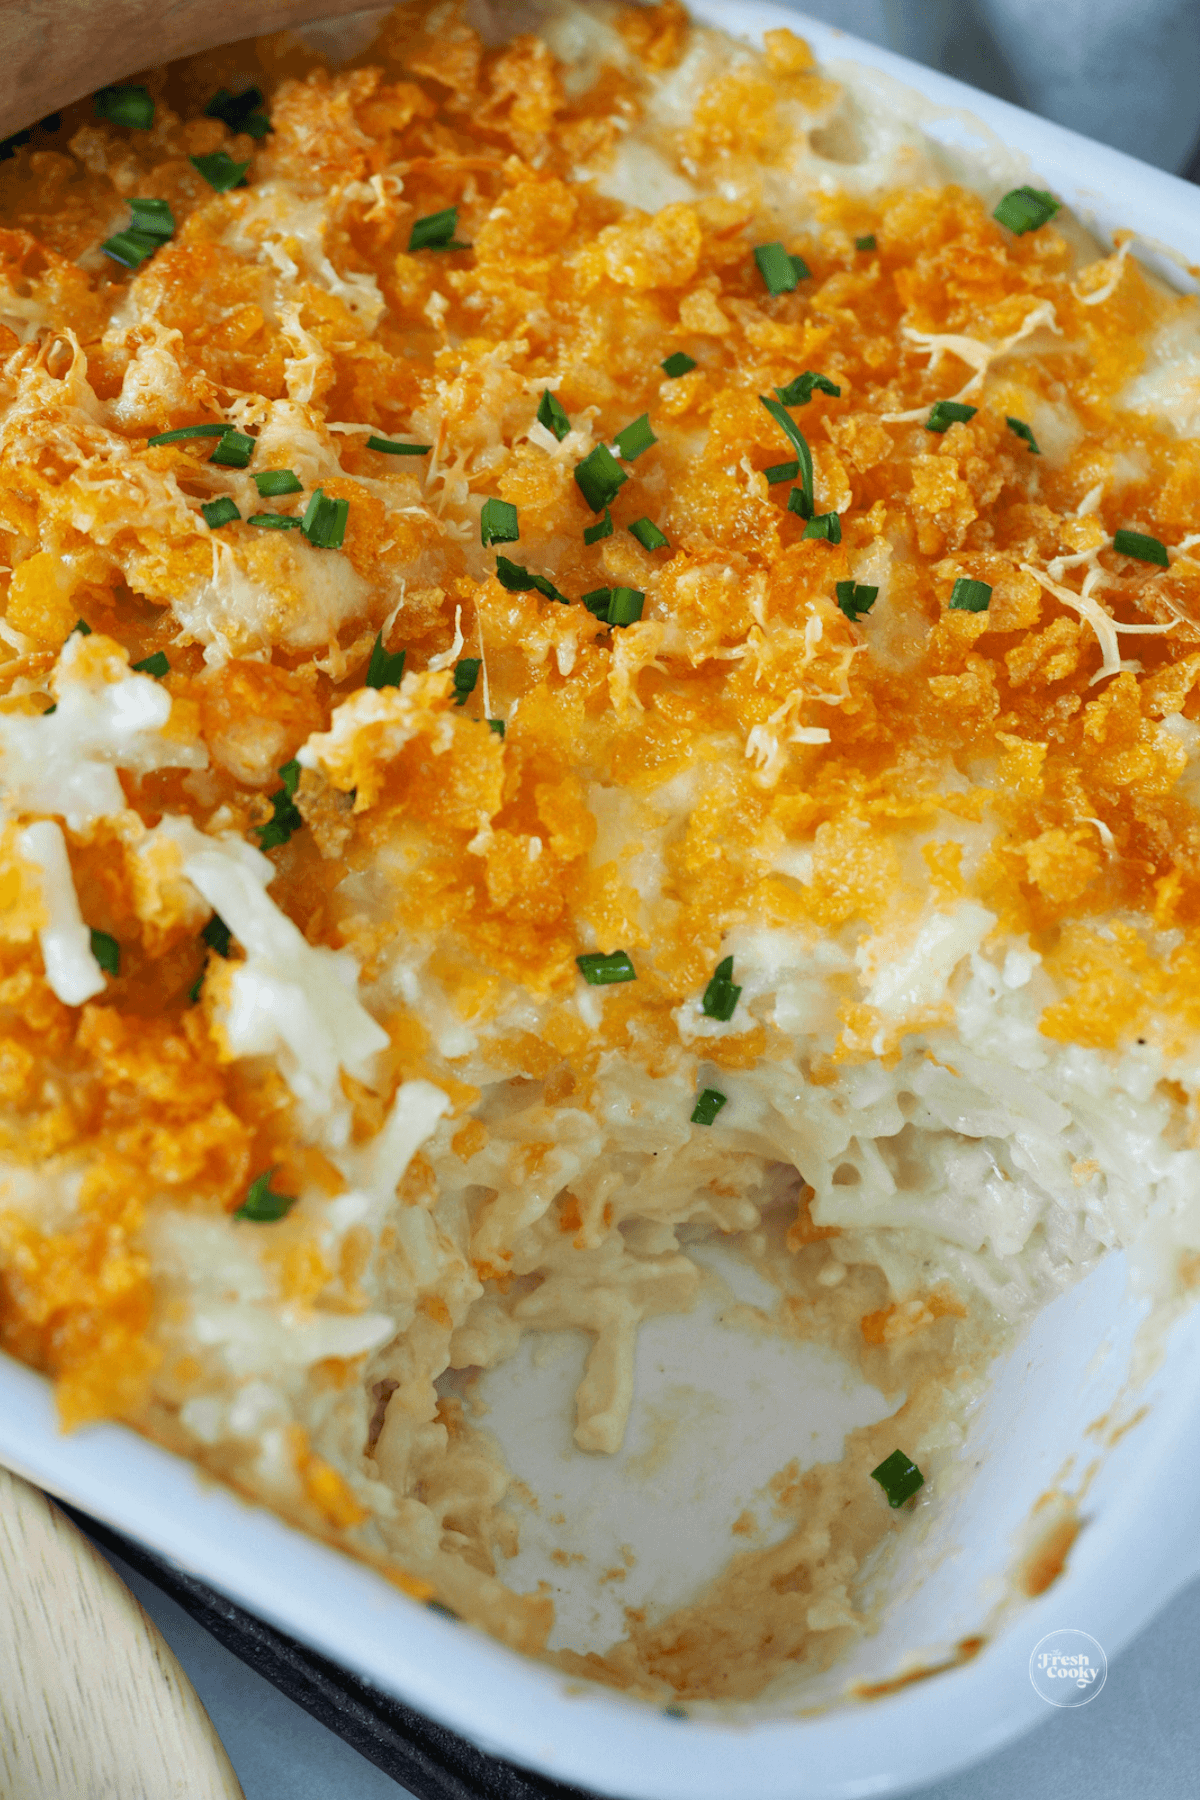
x=1139, y=1737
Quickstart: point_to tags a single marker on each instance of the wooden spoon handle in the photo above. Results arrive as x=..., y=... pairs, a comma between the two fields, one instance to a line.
x=92, y=1702
x=55, y=51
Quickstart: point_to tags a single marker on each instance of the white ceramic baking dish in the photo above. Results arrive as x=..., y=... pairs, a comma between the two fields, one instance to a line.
x=1036, y=1430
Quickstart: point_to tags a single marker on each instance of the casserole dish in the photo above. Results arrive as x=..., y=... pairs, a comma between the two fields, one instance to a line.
x=952, y=1615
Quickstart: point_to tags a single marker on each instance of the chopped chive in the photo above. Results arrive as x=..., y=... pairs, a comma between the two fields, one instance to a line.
x=154, y=217
x=598, y=602
x=261, y=1205
x=187, y=431
x=593, y=533
x=390, y=447
x=865, y=243
x=498, y=523
x=466, y=674
x=781, y=472
x=856, y=599
x=785, y=421
x=825, y=525
x=217, y=935
x=800, y=503
x=1145, y=548
x=82, y=627
x=156, y=665
x=286, y=816
x=1023, y=431
x=241, y=112
x=220, y=512
x=675, y=1712
x=233, y=450
x=625, y=607
x=970, y=596
x=131, y=248
x=271, y=482
x=1025, y=208
x=721, y=995
x=635, y=438
x=780, y=271
x=386, y=666
x=599, y=970
x=649, y=536
x=708, y=1105
x=436, y=231
x=131, y=106
x=945, y=413
x=496, y=725
x=550, y=413
x=324, y=521
x=800, y=391
x=677, y=364
x=517, y=580
x=274, y=521
x=107, y=952
x=899, y=1477
x=219, y=170
x=46, y=711
x=599, y=477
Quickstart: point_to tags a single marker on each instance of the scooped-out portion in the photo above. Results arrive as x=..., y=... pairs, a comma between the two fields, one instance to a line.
x=598, y=764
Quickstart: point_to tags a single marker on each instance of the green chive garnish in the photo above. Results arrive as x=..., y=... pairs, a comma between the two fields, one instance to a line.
x=625, y=607
x=708, y=1105
x=1145, y=548
x=156, y=665
x=1023, y=431
x=233, y=450
x=217, y=935
x=635, y=438
x=274, y=521
x=721, y=996
x=220, y=512
x=466, y=674
x=780, y=271
x=324, y=521
x=604, y=528
x=800, y=391
x=154, y=217
x=598, y=602
x=865, y=243
x=856, y=599
x=899, y=1477
x=130, y=248
x=781, y=472
x=970, y=596
x=599, y=477
x=602, y=971
x=286, y=816
x=824, y=525
x=677, y=364
x=498, y=523
x=386, y=666
x=496, y=725
x=187, y=431
x=945, y=413
x=219, y=170
x=550, y=414
x=261, y=1205
x=131, y=106
x=107, y=952
x=517, y=580
x=649, y=536
x=82, y=627
x=241, y=112
x=1025, y=208
x=436, y=231
x=785, y=421
x=390, y=447
x=271, y=482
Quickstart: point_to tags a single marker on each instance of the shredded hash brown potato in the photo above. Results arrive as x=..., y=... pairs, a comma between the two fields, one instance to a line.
x=262, y=916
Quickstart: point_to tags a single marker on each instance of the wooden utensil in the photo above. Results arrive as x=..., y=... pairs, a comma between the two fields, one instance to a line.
x=55, y=51
x=93, y=1705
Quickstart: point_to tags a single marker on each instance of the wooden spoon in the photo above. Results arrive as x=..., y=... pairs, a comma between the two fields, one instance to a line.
x=57, y=51
x=93, y=1705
